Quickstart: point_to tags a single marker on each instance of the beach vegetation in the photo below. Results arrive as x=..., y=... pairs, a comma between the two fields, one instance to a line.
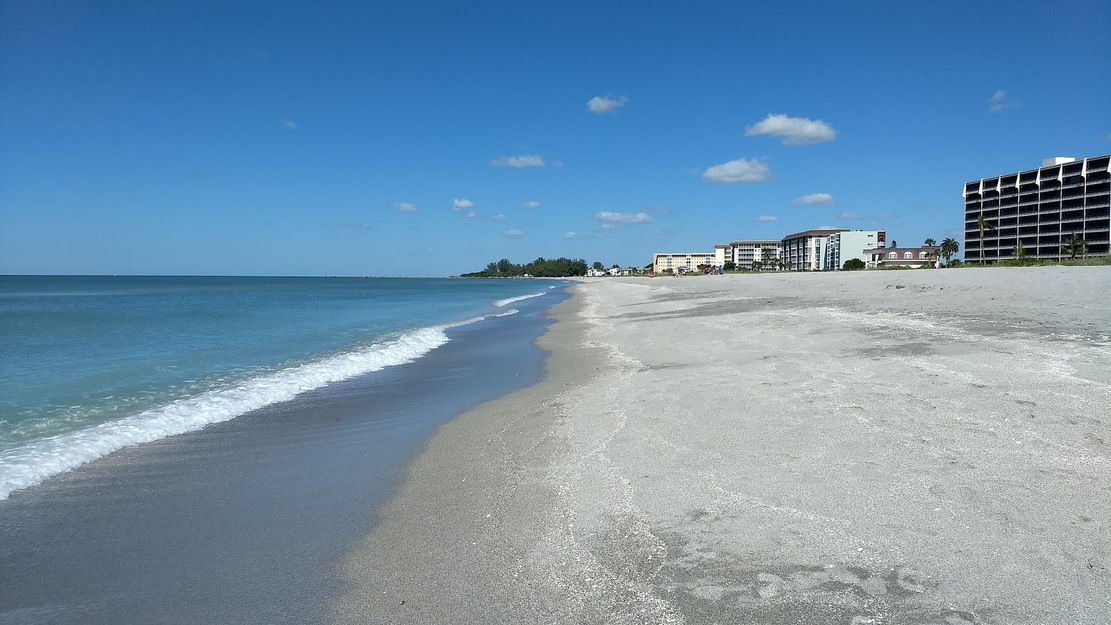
x=949, y=247
x=597, y=266
x=729, y=266
x=1091, y=261
x=540, y=268
x=853, y=264
x=929, y=242
x=1075, y=246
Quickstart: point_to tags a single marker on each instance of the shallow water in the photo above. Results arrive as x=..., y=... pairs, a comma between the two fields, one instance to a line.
x=246, y=520
x=93, y=364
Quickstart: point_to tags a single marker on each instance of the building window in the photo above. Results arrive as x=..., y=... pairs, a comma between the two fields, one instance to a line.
x=923, y=254
x=908, y=255
x=892, y=255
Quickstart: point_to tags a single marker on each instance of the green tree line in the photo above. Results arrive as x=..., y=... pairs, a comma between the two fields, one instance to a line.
x=541, y=268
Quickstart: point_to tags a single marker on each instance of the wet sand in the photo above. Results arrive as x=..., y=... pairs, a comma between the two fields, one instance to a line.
x=911, y=447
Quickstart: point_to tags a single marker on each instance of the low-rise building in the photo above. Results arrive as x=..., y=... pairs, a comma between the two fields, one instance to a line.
x=624, y=271
x=687, y=261
x=913, y=257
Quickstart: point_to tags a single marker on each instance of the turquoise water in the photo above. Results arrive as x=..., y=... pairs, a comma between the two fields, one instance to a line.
x=93, y=364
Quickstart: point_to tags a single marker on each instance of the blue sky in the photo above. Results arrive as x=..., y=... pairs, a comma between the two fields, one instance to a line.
x=430, y=138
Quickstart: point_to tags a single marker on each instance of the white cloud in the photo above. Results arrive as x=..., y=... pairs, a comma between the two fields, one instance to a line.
x=848, y=216
x=531, y=160
x=406, y=207
x=740, y=170
x=794, y=130
x=289, y=124
x=623, y=218
x=997, y=102
x=572, y=235
x=461, y=205
x=513, y=233
x=532, y=204
x=472, y=215
x=499, y=218
x=814, y=199
x=599, y=104
x=767, y=219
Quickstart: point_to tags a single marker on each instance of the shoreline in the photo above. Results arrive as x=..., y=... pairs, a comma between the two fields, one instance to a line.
x=245, y=520
x=876, y=447
x=453, y=544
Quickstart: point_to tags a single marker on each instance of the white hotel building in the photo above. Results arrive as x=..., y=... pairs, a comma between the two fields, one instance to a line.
x=744, y=253
x=849, y=244
x=688, y=261
x=812, y=250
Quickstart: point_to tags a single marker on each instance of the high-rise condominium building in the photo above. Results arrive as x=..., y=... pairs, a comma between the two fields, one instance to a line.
x=1036, y=213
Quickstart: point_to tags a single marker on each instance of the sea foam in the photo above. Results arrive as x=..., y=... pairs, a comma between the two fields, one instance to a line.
x=505, y=302
x=30, y=464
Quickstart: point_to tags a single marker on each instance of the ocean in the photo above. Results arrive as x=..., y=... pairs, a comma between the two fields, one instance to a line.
x=94, y=364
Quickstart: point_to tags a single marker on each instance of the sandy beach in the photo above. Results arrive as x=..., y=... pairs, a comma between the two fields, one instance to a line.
x=919, y=447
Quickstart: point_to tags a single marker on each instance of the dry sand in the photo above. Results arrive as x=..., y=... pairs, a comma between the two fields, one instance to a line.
x=918, y=447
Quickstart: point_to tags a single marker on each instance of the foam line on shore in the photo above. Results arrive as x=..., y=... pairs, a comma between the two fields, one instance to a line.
x=509, y=300
x=28, y=465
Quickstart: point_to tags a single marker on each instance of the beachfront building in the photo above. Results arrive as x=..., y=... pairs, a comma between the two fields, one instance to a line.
x=1035, y=213
x=744, y=253
x=912, y=257
x=721, y=254
x=682, y=261
x=848, y=244
x=807, y=251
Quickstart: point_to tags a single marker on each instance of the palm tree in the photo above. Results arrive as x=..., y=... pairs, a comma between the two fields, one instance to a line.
x=930, y=243
x=949, y=247
x=1075, y=246
x=983, y=226
x=768, y=256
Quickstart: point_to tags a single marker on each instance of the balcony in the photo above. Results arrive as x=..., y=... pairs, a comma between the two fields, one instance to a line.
x=1097, y=201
